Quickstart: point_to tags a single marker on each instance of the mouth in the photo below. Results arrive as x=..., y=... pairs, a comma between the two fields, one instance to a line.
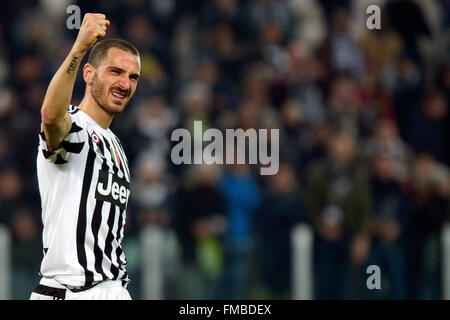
x=119, y=95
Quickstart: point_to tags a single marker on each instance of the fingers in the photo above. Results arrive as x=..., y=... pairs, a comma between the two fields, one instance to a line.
x=95, y=15
x=93, y=28
x=101, y=34
x=102, y=27
x=97, y=18
x=98, y=24
x=103, y=23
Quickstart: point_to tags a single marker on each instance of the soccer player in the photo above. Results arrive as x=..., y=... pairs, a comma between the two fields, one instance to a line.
x=83, y=174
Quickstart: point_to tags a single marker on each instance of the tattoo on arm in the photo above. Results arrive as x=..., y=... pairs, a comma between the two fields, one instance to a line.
x=72, y=65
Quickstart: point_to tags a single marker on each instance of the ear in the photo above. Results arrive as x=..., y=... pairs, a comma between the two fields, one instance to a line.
x=88, y=73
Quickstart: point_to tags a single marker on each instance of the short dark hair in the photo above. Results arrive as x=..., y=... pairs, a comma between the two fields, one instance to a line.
x=100, y=49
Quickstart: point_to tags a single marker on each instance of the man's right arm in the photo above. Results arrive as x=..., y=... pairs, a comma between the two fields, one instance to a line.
x=56, y=121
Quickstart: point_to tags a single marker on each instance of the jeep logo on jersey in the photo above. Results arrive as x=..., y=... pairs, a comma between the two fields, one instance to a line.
x=112, y=189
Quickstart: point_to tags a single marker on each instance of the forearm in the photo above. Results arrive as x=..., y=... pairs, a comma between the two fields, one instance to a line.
x=55, y=118
x=59, y=91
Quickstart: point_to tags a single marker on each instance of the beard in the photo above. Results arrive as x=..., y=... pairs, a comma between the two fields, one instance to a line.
x=100, y=92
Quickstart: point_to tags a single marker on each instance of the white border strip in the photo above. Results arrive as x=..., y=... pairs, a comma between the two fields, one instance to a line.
x=152, y=275
x=302, y=262
x=5, y=263
x=446, y=262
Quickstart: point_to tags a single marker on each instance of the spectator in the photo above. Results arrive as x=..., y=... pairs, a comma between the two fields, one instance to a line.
x=386, y=140
x=344, y=106
x=281, y=209
x=340, y=50
x=195, y=103
x=260, y=12
x=430, y=212
x=391, y=217
x=431, y=128
x=241, y=195
x=11, y=191
x=407, y=95
x=153, y=205
x=399, y=14
x=201, y=225
x=339, y=204
x=304, y=75
x=150, y=123
x=26, y=253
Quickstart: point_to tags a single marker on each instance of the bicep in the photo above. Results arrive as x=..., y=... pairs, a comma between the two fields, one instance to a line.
x=56, y=132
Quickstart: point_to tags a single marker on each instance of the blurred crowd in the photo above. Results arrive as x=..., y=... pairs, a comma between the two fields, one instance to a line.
x=363, y=118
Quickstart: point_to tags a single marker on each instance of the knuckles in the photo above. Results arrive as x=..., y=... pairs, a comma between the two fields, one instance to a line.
x=95, y=15
x=90, y=25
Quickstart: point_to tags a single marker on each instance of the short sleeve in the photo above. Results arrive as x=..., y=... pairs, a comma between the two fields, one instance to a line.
x=72, y=145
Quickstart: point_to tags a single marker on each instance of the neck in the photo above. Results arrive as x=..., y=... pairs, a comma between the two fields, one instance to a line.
x=95, y=111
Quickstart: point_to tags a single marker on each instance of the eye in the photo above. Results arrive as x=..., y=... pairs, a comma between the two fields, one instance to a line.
x=115, y=71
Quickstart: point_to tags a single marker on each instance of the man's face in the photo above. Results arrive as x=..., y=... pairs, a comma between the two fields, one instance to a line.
x=115, y=80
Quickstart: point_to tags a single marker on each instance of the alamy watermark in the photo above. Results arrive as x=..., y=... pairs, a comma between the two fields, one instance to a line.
x=374, y=20
x=374, y=280
x=74, y=20
x=228, y=150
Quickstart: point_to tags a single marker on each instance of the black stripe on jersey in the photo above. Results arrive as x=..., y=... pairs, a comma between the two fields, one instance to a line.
x=121, y=149
x=123, y=160
x=59, y=159
x=96, y=222
x=108, y=146
x=109, y=240
x=73, y=109
x=82, y=216
x=47, y=154
x=120, y=155
x=118, y=236
x=95, y=225
x=75, y=128
x=101, y=147
x=126, y=165
x=73, y=147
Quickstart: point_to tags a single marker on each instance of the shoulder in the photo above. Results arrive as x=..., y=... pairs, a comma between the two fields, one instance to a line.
x=75, y=112
x=80, y=123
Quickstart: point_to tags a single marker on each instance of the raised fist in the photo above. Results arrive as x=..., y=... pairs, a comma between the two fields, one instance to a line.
x=93, y=28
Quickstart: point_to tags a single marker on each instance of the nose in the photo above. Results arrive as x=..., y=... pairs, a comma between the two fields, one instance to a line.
x=124, y=84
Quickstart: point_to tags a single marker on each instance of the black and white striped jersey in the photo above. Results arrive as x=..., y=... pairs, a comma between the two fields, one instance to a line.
x=84, y=187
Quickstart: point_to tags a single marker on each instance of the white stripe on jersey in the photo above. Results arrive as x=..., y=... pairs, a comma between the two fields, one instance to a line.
x=84, y=195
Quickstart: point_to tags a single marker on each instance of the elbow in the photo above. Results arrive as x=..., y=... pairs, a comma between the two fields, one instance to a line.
x=47, y=117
